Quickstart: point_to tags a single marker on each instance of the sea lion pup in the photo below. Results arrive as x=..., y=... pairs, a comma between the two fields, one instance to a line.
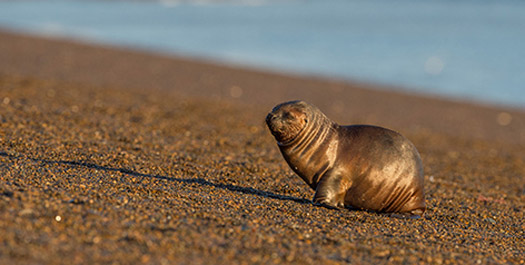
x=357, y=166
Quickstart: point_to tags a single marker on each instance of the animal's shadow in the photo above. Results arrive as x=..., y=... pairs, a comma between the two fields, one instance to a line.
x=201, y=181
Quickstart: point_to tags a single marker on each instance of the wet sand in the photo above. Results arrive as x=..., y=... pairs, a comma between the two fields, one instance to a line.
x=116, y=156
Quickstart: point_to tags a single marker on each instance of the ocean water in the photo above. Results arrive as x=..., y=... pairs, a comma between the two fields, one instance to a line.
x=464, y=49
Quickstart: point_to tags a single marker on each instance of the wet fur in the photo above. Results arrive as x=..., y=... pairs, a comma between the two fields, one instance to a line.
x=359, y=166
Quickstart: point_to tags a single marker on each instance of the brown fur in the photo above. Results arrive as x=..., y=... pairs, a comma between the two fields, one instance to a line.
x=360, y=166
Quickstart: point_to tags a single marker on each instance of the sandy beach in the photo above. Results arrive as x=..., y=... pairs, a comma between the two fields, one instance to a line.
x=115, y=156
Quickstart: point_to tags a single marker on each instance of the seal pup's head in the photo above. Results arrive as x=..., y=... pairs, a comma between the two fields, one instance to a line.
x=287, y=120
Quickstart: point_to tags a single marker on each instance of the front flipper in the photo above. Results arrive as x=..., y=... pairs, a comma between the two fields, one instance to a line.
x=331, y=190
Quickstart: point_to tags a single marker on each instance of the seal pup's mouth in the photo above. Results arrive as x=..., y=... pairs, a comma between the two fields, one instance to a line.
x=276, y=126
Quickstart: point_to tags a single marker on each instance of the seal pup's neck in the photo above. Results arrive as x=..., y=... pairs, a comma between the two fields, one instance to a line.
x=309, y=144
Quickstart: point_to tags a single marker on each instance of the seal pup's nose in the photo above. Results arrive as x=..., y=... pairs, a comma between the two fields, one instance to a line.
x=269, y=117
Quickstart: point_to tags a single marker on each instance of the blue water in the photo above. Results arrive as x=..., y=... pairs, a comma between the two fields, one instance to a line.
x=465, y=49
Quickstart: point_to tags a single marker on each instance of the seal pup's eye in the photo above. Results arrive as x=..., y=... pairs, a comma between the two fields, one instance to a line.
x=288, y=116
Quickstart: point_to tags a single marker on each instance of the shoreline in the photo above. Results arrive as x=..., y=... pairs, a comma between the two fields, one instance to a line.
x=117, y=156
